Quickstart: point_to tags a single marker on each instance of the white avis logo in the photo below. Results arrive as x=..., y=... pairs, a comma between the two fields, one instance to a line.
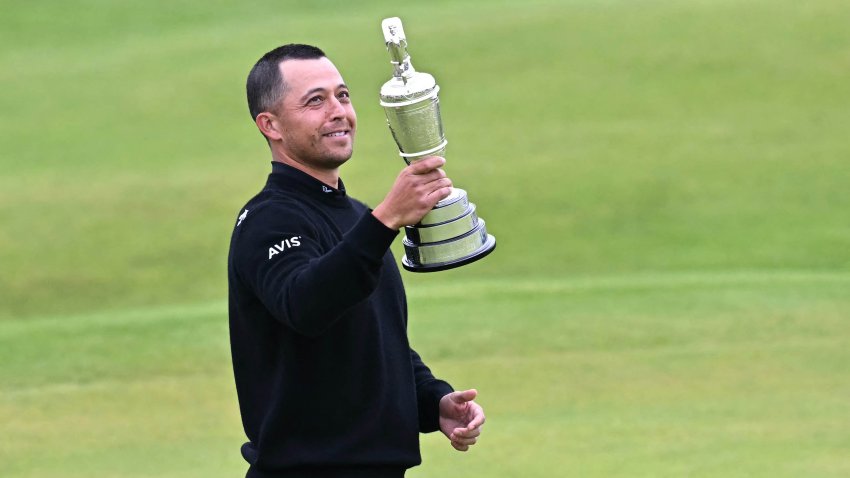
x=284, y=245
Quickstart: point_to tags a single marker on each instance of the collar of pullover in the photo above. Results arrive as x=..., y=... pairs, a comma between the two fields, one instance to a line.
x=287, y=178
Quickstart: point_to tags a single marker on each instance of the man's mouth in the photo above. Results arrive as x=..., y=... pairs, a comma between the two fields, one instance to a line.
x=336, y=134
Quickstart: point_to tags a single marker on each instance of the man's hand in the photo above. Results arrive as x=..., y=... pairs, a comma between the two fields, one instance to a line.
x=415, y=192
x=461, y=418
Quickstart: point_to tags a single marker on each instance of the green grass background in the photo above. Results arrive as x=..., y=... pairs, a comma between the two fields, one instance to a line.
x=667, y=180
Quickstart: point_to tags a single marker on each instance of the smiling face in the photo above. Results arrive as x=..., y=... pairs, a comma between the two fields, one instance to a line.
x=314, y=123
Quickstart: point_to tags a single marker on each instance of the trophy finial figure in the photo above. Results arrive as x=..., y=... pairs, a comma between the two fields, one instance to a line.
x=396, y=43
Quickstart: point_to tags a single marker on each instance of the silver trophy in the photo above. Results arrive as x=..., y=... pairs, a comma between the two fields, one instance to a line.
x=451, y=234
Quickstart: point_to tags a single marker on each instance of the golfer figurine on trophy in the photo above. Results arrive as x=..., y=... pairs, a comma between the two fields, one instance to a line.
x=451, y=234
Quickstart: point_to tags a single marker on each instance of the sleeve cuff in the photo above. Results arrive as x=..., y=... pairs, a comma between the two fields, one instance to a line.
x=429, y=405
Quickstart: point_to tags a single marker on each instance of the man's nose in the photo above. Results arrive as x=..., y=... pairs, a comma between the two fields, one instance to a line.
x=336, y=108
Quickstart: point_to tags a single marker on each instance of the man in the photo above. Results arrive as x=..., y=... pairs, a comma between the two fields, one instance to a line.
x=327, y=382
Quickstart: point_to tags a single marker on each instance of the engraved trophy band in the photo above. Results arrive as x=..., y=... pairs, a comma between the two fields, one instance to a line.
x=451, y=234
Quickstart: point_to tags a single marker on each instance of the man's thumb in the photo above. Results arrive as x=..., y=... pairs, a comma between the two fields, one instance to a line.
x=465, y=396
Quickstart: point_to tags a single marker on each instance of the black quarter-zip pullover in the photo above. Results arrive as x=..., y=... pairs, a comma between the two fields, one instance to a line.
x=327, y=382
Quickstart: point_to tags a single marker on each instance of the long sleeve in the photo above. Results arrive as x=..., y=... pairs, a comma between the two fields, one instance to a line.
x=429, y=391
x=302, y=281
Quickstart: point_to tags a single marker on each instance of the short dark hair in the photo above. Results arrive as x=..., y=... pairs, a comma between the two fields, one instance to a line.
x=265, y=84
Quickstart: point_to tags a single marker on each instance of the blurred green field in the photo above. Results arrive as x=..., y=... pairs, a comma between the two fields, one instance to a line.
x=667, y=180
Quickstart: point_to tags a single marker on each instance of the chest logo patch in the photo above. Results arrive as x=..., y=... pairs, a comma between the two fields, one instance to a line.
x=284, y=245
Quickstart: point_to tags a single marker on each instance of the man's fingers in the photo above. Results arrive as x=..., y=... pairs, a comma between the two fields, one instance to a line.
x=434, y=174
x=432, y=179
x=428, y=164
x=434, y=182
x=465, y=433
x=465, y=441
x=477, y=421
x=460, y=447
x=441, y=190
x=458, y=440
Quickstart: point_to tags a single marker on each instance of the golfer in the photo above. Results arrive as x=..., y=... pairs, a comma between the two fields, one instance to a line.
x=328, y=384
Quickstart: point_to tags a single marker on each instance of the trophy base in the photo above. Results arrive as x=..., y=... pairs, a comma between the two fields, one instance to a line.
x=482, y=252
x=450, y=235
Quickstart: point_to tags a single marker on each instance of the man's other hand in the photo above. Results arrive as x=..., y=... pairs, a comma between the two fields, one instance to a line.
x=461, y=418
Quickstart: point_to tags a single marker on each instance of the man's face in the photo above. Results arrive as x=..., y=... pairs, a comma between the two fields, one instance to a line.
x=316, y=115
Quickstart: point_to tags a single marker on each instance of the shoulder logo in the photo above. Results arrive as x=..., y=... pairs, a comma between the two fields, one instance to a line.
x=242, y=217
x=284, y=245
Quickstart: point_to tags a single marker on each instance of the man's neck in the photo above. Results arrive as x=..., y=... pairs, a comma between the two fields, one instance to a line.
x=329, y=177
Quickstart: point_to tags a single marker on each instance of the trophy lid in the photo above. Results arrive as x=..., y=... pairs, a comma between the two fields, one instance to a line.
x=418, y=86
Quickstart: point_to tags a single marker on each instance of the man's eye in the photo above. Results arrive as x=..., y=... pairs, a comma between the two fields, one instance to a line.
x=344, y=95
x=314, y=100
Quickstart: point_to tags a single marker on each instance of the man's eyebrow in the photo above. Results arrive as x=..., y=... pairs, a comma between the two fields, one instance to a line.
x=320, y=89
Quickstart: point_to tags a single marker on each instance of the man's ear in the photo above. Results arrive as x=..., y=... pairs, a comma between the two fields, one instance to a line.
x=268, y=124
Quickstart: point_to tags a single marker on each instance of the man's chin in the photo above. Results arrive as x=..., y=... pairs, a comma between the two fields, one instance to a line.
x=331, y=162
x=339, y=158
x=336, y=163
